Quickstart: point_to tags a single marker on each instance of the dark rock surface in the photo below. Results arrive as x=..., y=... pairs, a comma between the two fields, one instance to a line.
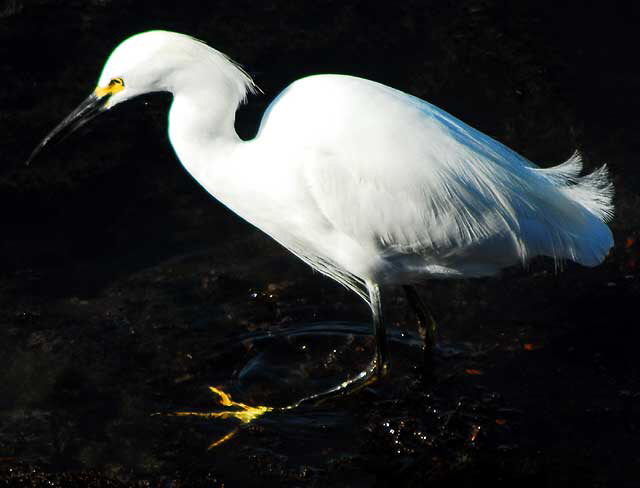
x=125, y=290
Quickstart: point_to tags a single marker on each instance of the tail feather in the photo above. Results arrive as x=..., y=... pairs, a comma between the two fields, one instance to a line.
x=594, y=192
x=566, y=172
x=581, y=235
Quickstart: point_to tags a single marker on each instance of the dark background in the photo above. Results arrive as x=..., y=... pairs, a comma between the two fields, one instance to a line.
x=125, y=289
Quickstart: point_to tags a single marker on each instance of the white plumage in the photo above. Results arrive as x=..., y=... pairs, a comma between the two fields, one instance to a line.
x=367, y=184
x=364, y=182
x=398, y=191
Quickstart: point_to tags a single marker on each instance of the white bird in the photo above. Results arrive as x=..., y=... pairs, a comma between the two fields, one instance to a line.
x=366, y=184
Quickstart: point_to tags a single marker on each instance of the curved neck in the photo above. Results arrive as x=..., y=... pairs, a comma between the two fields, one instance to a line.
x=201, y=125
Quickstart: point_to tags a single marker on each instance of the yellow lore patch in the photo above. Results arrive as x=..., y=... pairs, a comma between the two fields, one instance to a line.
x=115, y=85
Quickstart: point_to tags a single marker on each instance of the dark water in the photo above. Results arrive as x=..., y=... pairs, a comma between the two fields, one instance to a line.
x=125, y=291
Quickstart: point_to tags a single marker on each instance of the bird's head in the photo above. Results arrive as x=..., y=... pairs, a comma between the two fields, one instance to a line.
x=155, y=61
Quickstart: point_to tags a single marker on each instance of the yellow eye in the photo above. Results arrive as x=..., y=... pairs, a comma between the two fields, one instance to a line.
x=116, y=82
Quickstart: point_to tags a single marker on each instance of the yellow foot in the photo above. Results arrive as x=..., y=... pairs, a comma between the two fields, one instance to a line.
x=246, y=414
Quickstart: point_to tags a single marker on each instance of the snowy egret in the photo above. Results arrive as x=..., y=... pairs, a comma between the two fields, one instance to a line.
x=366, y=184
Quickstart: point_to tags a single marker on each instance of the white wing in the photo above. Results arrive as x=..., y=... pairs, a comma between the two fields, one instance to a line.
x=429, y=193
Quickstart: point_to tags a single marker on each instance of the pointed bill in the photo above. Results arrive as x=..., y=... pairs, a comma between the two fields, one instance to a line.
x=92, y=106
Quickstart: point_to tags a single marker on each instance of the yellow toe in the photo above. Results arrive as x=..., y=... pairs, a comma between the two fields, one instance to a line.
x=245, y=414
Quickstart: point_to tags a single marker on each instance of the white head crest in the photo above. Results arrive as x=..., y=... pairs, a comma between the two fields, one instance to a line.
x=167, y=61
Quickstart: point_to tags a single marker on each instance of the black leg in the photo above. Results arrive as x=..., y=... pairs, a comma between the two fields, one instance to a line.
x=426, y=323
x=378, y=367
x=382, y=354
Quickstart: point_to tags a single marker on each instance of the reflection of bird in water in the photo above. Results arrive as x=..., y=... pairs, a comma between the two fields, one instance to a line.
x=366, y=184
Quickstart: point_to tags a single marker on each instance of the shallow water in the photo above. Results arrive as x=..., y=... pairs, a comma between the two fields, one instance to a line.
x=125, y=291
x=89, y=374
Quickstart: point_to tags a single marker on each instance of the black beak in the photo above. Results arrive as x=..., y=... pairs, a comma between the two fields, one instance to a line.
x=87, y=110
